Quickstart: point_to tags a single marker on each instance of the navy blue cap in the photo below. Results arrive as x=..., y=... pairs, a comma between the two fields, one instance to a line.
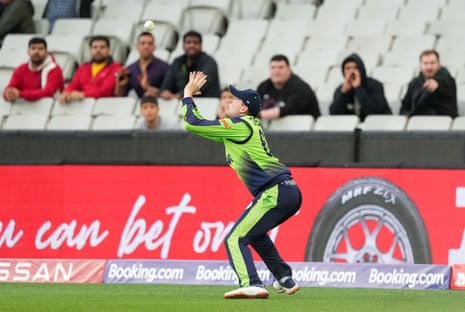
x=250, y=98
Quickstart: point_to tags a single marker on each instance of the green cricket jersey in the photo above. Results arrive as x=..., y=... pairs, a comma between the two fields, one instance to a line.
x=246, y=147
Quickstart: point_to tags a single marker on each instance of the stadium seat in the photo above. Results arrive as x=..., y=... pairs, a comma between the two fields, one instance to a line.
x=314, y=74
x=114, y=106
x=450, y=42
x=17, y=42
x=257, y=9
x=69, y=122
x=291, y=11
x=83, y=107
x=325, y=27
x=10, y=59
x=290, y=45
x=429, y=11
x=458, y=124
x=384, y=123
x=417, y=43
x=339, y=123
x=25, y=122
x=325, y=94
x=292, y=123
x=381, y=11
x=229, y=74
x=461, y=99
x=113, y=122
x=452, y=59
x=405, y=27
x=39, y=107
x=5, y=76
x=460, y=78
x=73, y=26
x=365, y=27
x=255, y=74
x=392, y=74
x=123, y=10
x=446, y=27
x=164, y=13
x=342, y=12
x=394, y=92
x=70, y=44
x=364, y=43
x=204, y=19
x=68, y=64
x=5, y=108
x=166, y=106
x=429, y=123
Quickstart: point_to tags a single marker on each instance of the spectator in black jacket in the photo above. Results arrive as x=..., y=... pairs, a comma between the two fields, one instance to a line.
x=285, y=93
x=358, y=94
x=433, y=91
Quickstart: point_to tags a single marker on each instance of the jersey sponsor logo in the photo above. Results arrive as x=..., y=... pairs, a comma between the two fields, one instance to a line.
x=225, y=123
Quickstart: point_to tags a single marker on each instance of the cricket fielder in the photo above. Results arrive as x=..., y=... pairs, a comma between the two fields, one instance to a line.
x=276, y=195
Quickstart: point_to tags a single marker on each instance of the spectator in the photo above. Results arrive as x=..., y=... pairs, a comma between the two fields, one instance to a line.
x=96, y=78
x=56, y=9
x=285, y=93
x=151, y=120
x=433, y=91
x=225, y=98
x=144, y=75
x=193, y=59
x=40, y=77
x=358, y=94
x=16, y=17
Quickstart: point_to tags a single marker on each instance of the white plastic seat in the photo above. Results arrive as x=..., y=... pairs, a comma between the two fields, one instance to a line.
x=384, y=123
x=290, y=46
x=5, y=108
x=461, y=99
x=405, y=27
x=120, y=28
x=392, y=74
x=314, y=75
x=284, y=28
x=223, y=5
x=72, y=26
x=450, y=42
x=339, y=123
x=83, y=107
x=124, y=10
x=417, y=43
x=68, y=64
x=166, y=106
x=325, y=94
x=458, y=124
x=383, y=11
x=206, y=20
x=17, y=42
x=164, y=13
x=70, y=44
x=25, y=122
x=362, y=43
x=39, y=107
x=229, y=74
x=401, y=58
x=292, y=123
x=325, y=27
x=255, y=74
x=429, y=11
x=393, y=92
x=5, y=76
x=246, y=9
x=365, y=27
x=114, y=106
x=452, y=59
x=345, y=11
x=69, y=122
x=429, y=123
x=294, y=11
x=460, y=77
x=10, y=59
x=113, y=122
x=446, y=27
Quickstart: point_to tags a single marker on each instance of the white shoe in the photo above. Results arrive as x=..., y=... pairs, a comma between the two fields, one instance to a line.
x=249, y=292
x=286, y=285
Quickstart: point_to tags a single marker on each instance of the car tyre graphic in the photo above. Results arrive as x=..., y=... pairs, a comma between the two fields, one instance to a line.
x=369, y=219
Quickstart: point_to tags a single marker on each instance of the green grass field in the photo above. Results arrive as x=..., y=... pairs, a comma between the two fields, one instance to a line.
x=124, y=297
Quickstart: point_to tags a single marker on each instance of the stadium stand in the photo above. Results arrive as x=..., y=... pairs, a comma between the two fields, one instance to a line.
x=389, y=35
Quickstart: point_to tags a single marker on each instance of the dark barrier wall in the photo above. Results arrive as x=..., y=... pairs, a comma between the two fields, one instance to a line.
x=403, y=149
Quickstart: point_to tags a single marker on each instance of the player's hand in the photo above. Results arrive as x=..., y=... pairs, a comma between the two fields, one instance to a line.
x=196, y=81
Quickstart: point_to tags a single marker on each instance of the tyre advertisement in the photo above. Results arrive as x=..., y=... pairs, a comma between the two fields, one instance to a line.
x=349, y=215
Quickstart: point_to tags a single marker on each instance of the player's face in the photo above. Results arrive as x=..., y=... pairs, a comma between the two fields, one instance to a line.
x=280, y=72
x=99, y=51
x=37, y=53
x=235, y=107
x=149, y=111
x=145, y=46
x=192, y=46
x=225, y=99
x=429, y=65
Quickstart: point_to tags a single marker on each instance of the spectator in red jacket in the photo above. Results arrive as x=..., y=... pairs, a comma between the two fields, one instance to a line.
x=94, y=79
x=40, y=77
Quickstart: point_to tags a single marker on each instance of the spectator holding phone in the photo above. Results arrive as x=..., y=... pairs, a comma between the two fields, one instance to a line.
x=145, y=75
x=358, y=94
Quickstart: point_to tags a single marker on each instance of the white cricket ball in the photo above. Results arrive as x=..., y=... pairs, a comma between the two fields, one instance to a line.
x=149, y=25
